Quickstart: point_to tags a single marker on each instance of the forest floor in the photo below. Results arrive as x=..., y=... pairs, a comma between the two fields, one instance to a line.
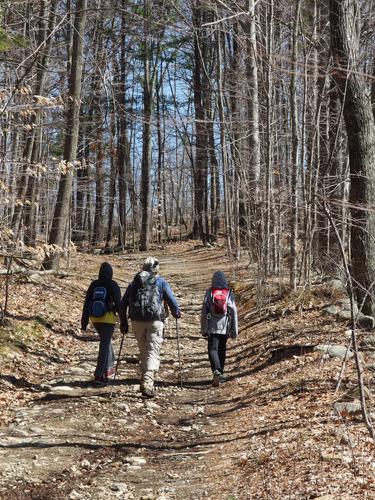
x=269, y=432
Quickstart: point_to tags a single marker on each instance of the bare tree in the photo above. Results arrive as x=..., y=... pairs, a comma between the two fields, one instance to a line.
x=62, y=207
x=360, y=129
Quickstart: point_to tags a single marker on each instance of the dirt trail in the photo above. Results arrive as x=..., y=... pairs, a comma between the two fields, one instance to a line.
x=270, y=432
x=75, y=441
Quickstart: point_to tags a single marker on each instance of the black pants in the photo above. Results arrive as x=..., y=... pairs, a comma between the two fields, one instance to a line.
x=106, y=355
x=217, y=345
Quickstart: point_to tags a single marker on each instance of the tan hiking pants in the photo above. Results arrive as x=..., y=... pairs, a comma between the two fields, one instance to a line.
x=149, y=335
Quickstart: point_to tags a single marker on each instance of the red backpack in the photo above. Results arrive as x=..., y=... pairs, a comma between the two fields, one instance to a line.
x=219, y=301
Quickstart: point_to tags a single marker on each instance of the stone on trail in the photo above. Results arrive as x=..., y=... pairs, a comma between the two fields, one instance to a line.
x=19, y=432
x=334, y=351
x=62, y=388
x=76, y=370
x=135, y=460
x=349, y=407
x=119, y=487
x=150, y=405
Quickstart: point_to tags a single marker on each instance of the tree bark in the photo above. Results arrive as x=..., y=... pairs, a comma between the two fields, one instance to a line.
x=61, y=213
x=147, y=114
x=360, y=128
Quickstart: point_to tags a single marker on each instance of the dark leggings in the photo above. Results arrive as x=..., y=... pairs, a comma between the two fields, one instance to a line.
x=217, y=345
x=106, y=356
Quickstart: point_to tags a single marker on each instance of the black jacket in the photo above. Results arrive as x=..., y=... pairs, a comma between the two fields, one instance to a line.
x=113, y=293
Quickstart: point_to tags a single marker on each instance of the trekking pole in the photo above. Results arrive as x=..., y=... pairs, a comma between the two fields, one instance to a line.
x=178, y=352
x=117, y=363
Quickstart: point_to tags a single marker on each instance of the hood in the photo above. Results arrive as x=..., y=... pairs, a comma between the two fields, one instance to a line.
x=219, y=280
x=106, y=271
x=151, y=265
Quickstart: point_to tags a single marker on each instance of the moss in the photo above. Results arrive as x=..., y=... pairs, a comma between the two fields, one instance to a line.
x=20, y=336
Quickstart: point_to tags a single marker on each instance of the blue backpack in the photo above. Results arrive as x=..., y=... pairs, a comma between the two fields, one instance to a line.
x=99, y=305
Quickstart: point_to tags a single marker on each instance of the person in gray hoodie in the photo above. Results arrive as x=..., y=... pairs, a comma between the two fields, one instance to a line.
x=219, y=321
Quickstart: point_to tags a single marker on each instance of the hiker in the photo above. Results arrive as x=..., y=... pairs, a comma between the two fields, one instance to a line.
x=102, y=302
x=218, y=323
x=145, y=297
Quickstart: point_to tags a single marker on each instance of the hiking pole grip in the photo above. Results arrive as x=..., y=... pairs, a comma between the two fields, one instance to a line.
x=178, y=353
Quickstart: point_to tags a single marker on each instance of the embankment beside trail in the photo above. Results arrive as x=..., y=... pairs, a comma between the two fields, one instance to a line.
x=269, y=431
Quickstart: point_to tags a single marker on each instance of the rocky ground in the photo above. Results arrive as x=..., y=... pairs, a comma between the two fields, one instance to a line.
x=274, y=430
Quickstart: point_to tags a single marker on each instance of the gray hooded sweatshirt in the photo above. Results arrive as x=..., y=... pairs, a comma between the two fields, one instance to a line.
x=219, y=325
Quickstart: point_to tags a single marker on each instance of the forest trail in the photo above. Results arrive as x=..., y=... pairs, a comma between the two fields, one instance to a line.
x=269, y=432
x=76, y=441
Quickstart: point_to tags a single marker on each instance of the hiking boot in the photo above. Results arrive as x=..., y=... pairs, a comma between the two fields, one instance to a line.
x=216, y=378
x=223, y=378
x=147, y=392
x=110, y=373
x=147, y=384
x=100, y=381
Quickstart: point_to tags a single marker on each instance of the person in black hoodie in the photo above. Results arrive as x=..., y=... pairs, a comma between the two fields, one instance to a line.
x=105, y=323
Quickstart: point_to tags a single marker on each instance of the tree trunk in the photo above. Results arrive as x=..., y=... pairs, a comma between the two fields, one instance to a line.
x=200, y=170
x=146, y=149
x=360, y=129
x=61, y=213
x=253, y=117
x=295, y=144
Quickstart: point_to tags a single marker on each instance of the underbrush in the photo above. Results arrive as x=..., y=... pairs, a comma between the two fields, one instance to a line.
x=280, y=300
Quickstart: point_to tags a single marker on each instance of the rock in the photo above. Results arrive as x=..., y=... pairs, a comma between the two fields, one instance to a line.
x=119, y=487
x=122, y=422
x=344, y=315
x=330, y=457
x=87, y=367
x=152, y=406
x=45, y=387
x=334, y=351
x=335, y=284
x=365, y=322
x=327, y=497
x=330, y=310
x=123, y=406
x=37, y=430
x=342, y=438
x=62, y=388
x=348, y=407
x=135, y=460
x=76, y=370
x=36, y=278
x=147, y=494
x=368, y=341
x=75, y=495
x=19, y=432
x=346, y=305
x=354, y=393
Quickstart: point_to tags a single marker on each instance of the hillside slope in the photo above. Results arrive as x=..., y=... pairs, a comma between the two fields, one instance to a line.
x=270, y=431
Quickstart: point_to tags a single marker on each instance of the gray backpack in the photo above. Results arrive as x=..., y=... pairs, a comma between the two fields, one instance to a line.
x=145, y=303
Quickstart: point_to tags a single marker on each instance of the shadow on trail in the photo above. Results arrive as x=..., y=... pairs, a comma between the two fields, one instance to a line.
x=21, y=382
x=174, y=446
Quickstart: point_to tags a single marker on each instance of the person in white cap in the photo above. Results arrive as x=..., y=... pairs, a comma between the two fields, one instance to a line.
x=144, y=301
